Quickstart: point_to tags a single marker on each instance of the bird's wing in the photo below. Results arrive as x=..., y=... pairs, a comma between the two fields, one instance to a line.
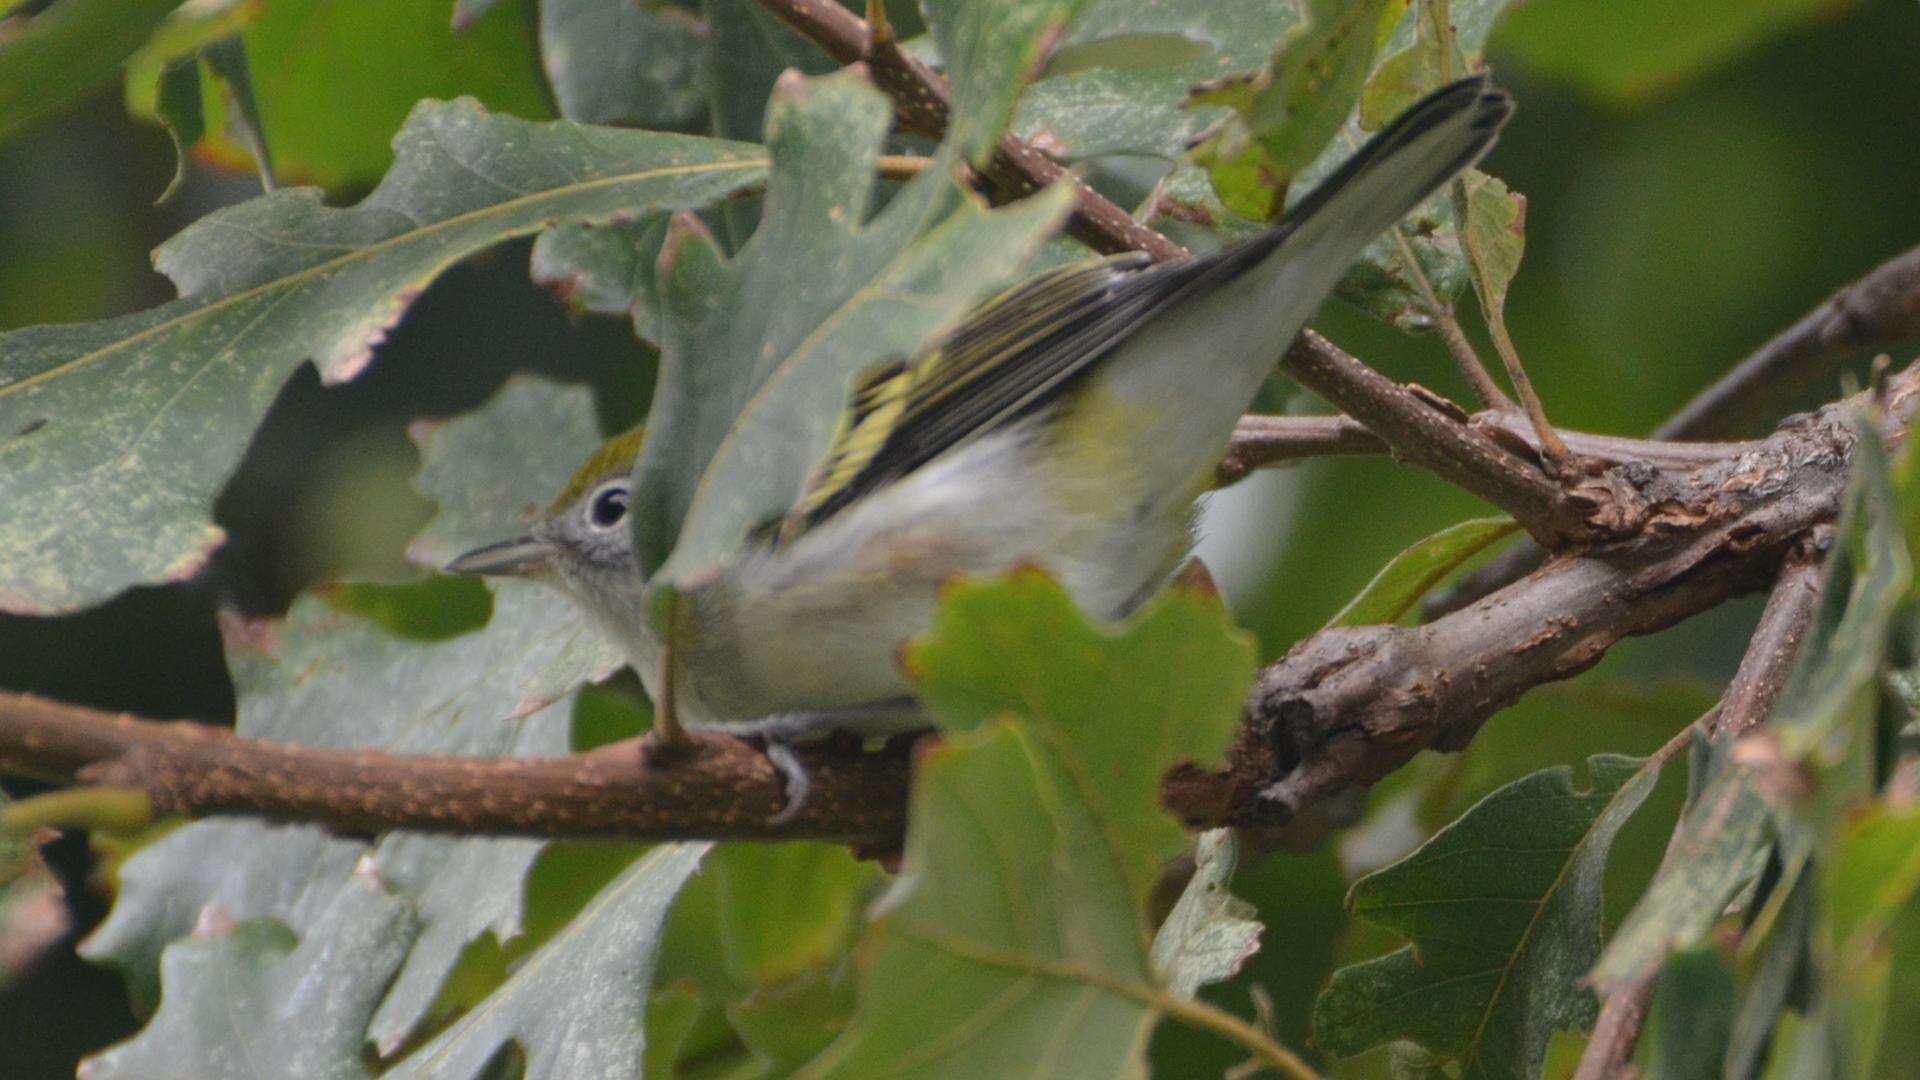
x=1022, y=349
x=1012, y=356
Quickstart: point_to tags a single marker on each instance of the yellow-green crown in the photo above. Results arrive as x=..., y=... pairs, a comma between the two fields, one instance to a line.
x=614, y=458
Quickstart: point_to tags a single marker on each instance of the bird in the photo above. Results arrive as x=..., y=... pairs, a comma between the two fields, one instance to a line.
x=1071, y=423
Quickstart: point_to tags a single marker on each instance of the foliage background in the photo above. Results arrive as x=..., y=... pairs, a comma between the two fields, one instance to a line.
x=1672, y=225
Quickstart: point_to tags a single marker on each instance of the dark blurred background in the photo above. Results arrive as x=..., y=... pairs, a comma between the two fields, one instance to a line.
x=1671, y=227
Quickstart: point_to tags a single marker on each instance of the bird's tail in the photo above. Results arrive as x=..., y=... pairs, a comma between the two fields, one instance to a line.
x=1427, y=145
x=1269, y=285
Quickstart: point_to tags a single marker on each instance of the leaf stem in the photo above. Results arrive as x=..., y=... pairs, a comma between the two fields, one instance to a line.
x=1485, y=390
x=1228, y=1026
x=1493, y=304
x=116, y=810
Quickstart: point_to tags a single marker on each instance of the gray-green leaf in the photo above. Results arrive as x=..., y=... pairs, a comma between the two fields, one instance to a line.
x=1503, y=911
x=1210, y=932
x=116, y=435
x=279, y=1006
x=577, y=1006
x=624, y=62
x=331, y=677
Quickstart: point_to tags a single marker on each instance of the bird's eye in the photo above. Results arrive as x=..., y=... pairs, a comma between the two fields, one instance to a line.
x=609, y=507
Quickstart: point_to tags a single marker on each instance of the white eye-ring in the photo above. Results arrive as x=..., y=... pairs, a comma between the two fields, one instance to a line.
x=607, y=507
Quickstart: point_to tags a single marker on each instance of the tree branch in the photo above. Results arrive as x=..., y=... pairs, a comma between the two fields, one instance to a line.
x=1349, y=705
x=1882, y=308
x=1776, y=639
x=721, y=787
x=1262, y=441
x=1748, y=700
x=1432, y=432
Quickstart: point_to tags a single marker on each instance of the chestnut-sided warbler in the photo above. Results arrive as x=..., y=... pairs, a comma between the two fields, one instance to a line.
x=1071, y=423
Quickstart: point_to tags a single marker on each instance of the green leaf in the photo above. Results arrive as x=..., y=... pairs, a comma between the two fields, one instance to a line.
x=1210, y=933
x=335, y=82
x=1827, y=713
x=1118, y=80
x=436, y=609
x=1120, y=705
x=1869, y=912
x=1874, y=873
x=178, y=108
x=1285, y=115
x=786, y=909
x=671, y=1016
x=1012, y=930
x=1420, y=56
x=65, y=52
x=756, y=354
x=327, y=676
x=1628, y=51
x=307, y=996
x=788, y=1025
x=1692, y=1015
x=227, y=59
x=577, y=1006
x=1495, y=234
x=1401, y=583
x=605, y=269
x=115, y=436
x=990, y=46
x=631, y=63
x=1502, y=908
x=1776, y=969
x=1016, y=931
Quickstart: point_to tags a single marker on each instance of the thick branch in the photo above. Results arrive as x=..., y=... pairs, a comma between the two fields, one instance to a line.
x=722, y=788
x=1882, y=308
x=1347, y=706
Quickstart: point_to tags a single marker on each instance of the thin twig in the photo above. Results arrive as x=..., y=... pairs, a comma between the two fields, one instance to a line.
x=1748, y=700
x=901, y=166
x=1465, y=357
x=1262, y=441
x=1617, y=1029
x=1881, y=309
x=922, y=101
x=1431, y=433
x=1776, y=638
x=1228, y=1026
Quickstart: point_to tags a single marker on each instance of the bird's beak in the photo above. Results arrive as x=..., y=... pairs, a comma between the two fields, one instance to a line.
x=520, y=555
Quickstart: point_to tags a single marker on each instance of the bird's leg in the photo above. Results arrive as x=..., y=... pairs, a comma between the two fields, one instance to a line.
x=780, y=733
